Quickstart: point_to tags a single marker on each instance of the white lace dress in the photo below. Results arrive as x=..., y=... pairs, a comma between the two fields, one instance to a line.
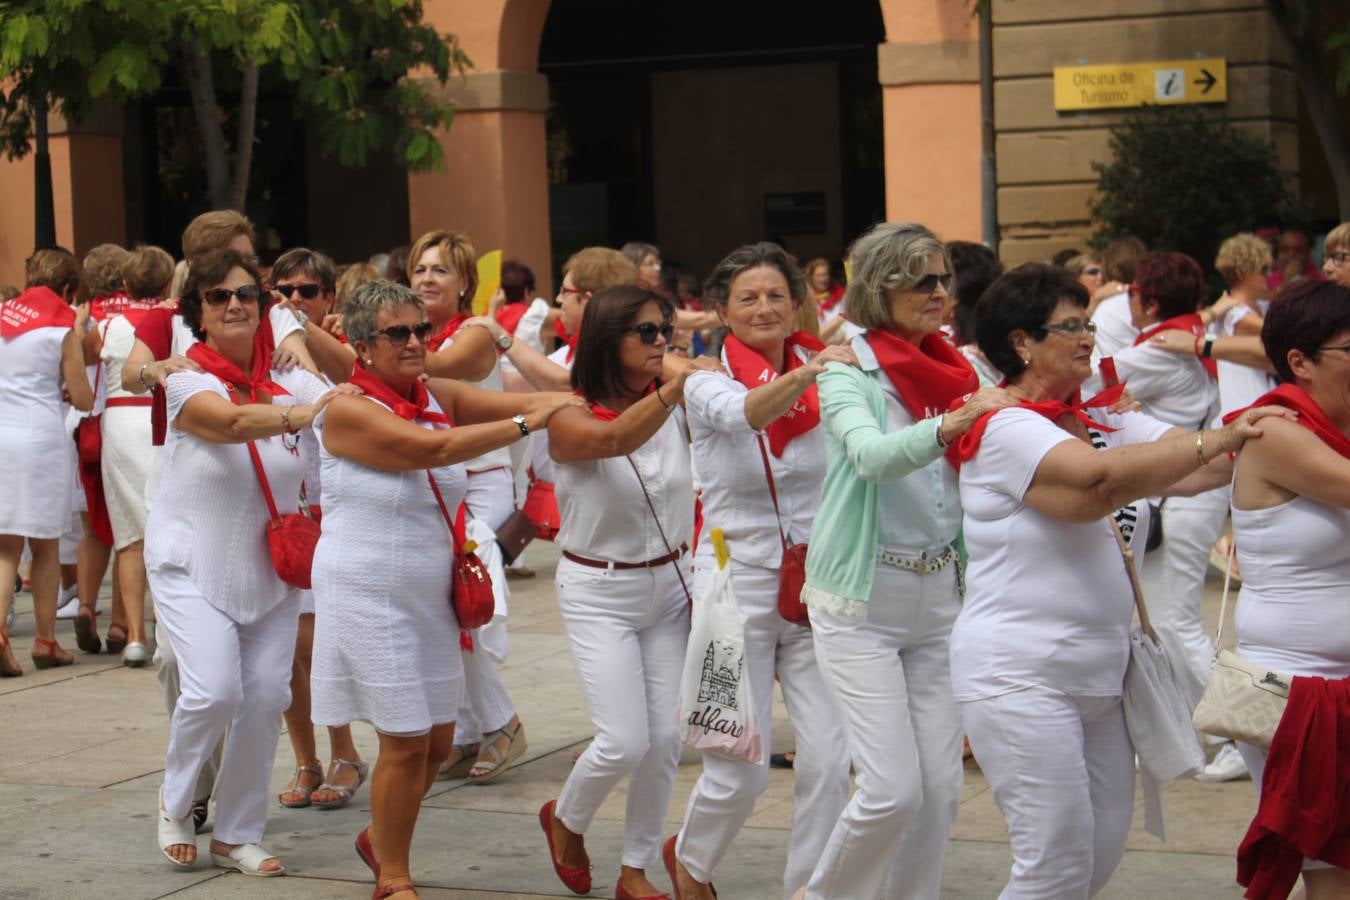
x=386, y=643
x=37, y=478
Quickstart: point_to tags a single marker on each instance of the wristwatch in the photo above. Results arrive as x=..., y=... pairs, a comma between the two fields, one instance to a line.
x=520, y=423
x=937, y=432
x=504, y=342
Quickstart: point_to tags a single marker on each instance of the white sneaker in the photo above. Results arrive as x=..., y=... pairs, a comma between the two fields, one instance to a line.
x=70, y=605
x=1227, y=765
x=133, y=655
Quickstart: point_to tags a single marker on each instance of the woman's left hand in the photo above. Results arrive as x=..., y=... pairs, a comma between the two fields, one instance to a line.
x=492, y=325
x=1174, y=340
x=840, y=353
x=284, y=360
x=1236, y=433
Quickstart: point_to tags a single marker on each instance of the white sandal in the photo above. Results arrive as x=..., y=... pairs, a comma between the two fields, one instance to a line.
x=173, y=832
x=247, y=858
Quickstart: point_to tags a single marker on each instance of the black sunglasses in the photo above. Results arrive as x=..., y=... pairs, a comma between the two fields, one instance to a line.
x=307, y=291
x=247, y=293
x=648, y=331
x=925, y=285
x=397, y=335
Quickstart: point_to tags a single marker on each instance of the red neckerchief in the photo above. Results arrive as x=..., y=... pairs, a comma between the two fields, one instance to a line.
x=155, y=330
x=829, y=299
x=261, y=376
x=1310, y=415
x=1190, y=322
x=37, y=307
x=509, y=316
x=569, y=339
x=109, y=305
x=604, y=413
x=928, y=377
x=448, y=331
x=753, y=370
x=412, y=407
x=964, y=448
x=132, y=310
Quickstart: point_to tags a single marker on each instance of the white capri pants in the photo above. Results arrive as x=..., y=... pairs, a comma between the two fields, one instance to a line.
x=626, y=629
x=890, y=677
x=166, y=674
x=235, y=677
x=725, y=794
x=1062, y=771
x=485, y=705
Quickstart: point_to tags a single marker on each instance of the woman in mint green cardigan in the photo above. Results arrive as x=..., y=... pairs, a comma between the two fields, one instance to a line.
x=882, y=579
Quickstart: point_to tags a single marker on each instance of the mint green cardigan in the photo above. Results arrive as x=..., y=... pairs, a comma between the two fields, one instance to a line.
x=860, y=456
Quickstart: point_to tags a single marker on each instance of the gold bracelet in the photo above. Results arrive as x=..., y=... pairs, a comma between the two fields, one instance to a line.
x=286, y=421
x=1200, y=448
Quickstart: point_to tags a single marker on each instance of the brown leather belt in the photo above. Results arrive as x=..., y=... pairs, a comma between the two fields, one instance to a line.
x=649, y=564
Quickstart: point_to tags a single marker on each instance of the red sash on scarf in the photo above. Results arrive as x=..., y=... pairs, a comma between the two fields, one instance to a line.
x=37, y=307
x=929, y=377
x=155, y=330
x=448, y=331
x=964, y=448
x=412, y=407
x=1190, y=322
x=1310, y=415
x=259, y=379
x=753, y=370
x=109, y=305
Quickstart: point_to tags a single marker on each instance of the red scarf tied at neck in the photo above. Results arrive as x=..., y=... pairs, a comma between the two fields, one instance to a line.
x=438, y=339
x=929, y=377
x=412, y=407
x=37, y=307
x=1189, y=322
x=751, y=369
x=1310, y=415
x=964, y=448
x=259, y=379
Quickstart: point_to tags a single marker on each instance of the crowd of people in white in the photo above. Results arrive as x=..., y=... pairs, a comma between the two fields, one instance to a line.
x=926, y=492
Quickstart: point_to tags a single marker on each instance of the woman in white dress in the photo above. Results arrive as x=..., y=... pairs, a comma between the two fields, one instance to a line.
x=230, y=618
x=626, y=494
x=386, y=644
x=40, y=348
x=1290, y=522
x=127, y=450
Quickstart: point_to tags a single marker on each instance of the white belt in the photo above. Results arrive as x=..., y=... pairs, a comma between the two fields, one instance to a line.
x=924, y=563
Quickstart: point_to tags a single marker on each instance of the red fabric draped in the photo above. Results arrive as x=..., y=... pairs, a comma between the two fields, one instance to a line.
x=964, y=448
x=412, y=407
x=37, y=307
x=259, y=379
x=1310, y=415
x=448, y=331
x=751, y=369
x=509, y=316
x=929, y=377
x=1190, y=322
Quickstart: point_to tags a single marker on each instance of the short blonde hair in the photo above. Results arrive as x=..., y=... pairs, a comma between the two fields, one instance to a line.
x=1241, y=255
x=596, y=268
x=103, y=269
x=352, y=278
x=147, y=272
x=890, y=255
x=214, y=230
x=1338, y=238
x=457, y=251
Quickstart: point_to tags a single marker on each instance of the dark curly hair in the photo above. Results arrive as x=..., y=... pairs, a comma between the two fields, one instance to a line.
x=208, y=270
x=1022, y=300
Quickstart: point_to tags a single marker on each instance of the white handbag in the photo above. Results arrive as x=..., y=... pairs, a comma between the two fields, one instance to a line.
x=1244, y=701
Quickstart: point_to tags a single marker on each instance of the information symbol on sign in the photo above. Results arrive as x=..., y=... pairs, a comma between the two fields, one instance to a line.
x=1170, y=84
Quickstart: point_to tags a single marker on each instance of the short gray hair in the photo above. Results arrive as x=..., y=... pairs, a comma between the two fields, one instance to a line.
x=889, y=255
x=368, y=301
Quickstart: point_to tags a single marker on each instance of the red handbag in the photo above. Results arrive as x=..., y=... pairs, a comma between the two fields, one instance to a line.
x=792, y=570
x=470, y=584
x=541, y=508
x=291, y=537
x=89, y=431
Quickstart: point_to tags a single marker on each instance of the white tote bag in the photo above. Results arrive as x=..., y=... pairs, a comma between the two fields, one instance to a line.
x=717, y=712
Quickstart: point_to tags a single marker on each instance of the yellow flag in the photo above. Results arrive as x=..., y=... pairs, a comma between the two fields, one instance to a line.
x=489, y=279
x=848, y=271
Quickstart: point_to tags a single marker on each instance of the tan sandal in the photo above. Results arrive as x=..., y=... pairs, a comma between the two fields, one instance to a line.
x=499, y=762
x=297, y=788
x=344, y=792
x=458, y=767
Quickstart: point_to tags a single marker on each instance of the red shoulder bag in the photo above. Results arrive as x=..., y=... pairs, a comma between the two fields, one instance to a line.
x=291, y=538
x=792, y=571
x=470, y=584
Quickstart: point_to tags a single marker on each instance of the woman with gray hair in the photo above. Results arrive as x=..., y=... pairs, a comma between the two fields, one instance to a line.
x=386, y=643
x=882, y=578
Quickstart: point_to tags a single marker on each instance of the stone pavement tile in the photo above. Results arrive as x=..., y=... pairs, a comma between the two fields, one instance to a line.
x=83, y=879
x=238, y=887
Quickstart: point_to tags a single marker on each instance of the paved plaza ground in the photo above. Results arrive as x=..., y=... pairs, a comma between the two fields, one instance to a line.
x=82, y=756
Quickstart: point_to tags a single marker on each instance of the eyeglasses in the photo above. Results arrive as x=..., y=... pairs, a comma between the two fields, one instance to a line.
x=928, y=284
x=1339, y=258
x=247, y=293
x=567, y=290
x=397, y=335
x=307, y=291
x=1344, y=348
x=648, y=331
x=1093, y=270
x=1071, y=327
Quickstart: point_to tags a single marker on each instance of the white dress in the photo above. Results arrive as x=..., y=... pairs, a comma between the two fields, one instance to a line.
x=386, y=643
x=127, y=448
x=38, y=475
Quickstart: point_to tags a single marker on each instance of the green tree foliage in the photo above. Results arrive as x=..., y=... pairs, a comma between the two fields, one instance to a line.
x=1182, y=179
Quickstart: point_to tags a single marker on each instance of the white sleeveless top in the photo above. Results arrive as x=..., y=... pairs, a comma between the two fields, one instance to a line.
x=38, y=474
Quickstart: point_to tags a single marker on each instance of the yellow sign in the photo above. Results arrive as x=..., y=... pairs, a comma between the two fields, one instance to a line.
x=1136, y=84
x=489, y=279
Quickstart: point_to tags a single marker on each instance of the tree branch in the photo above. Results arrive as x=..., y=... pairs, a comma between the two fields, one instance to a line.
x=243, y=148
x=202, y=88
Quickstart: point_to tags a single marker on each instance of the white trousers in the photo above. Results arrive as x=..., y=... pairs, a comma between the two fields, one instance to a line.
x=1062, y=771
x=166, y=674
x=1173, y=576
x=485, y=704
x=890, y=677
x=235, y=677
x=725, y=794
x=627, y=630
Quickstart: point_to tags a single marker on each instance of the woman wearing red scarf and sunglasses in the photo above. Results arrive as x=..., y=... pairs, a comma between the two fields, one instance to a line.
x=764, y=415
x=386, y=643
x=881, y=573
x=230, y=618
x=1039, y=650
